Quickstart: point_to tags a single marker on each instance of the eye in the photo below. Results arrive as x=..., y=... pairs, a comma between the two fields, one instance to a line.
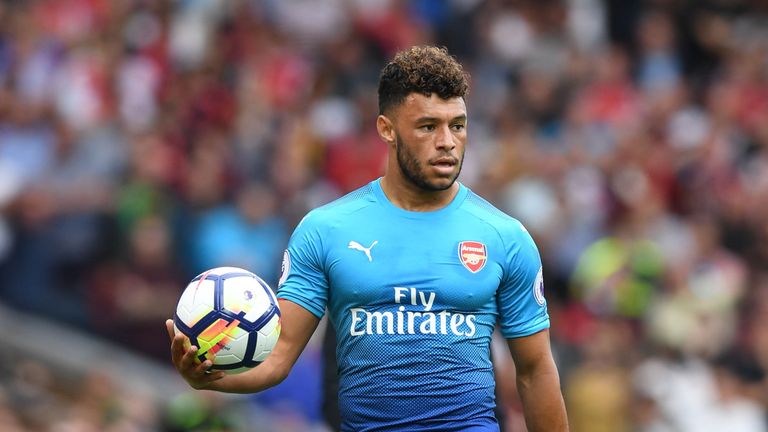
x=458, y=127
x=427, y=127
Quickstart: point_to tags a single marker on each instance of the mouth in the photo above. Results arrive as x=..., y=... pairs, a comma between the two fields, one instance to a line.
x=444, y=162
x=444, y=166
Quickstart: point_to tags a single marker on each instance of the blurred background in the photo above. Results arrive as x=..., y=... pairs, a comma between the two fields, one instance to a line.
x=143, y=141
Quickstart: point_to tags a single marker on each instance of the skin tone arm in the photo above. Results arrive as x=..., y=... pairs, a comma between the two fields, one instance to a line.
x=538, y=383
x=298, y=325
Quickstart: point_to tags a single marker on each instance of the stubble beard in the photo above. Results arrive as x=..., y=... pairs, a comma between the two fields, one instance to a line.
x=413, y=170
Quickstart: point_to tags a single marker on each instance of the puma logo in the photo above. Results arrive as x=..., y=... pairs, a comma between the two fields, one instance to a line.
x=357, y=246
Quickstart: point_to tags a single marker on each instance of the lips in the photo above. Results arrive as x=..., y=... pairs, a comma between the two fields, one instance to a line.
x=444, y=166
x=444, y=162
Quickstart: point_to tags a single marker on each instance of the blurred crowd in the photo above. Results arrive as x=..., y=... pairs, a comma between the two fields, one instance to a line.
x=143, y=141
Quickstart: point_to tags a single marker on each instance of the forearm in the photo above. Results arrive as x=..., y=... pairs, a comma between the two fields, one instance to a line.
x=542, y=400
x=298, y=325
x=266, y=375
x=538, y=383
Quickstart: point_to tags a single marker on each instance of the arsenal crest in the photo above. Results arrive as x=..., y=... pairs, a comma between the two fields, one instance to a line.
x=473, y=255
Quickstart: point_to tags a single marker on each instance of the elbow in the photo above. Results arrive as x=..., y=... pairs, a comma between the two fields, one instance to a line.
x=534, y=372
x=281, y=376
x=279, y=373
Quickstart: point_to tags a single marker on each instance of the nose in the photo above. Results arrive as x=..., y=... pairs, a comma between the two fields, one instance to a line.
x=444, y=139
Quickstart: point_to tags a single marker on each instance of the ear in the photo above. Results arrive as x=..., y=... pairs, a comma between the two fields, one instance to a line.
x=385, y=128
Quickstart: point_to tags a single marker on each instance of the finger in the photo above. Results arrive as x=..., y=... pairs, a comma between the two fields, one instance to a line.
x=206, y=372
x=204, y=369
x=169, y=329
x=205, y=380
x=189, y=359
x=177, y=349
x=215, y=376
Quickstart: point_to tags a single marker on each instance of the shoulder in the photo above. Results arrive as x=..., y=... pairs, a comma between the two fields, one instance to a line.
x=338, y=211
x=507, y=226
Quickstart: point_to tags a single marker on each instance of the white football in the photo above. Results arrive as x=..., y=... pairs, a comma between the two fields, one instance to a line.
x=232, y=316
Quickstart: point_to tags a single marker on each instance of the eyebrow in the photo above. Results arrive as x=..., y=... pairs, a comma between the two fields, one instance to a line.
x=431, y=119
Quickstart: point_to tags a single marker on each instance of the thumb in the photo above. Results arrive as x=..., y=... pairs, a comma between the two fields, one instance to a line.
x=169, y=328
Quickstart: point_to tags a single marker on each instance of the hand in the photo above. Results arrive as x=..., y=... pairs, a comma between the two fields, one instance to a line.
x=197, y=375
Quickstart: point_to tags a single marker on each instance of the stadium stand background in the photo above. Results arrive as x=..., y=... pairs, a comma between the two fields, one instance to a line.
x=144, y=141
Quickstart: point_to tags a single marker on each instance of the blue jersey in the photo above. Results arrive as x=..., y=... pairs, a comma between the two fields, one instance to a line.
x=414, y=298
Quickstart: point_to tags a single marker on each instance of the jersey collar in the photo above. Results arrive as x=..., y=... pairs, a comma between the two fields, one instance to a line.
x=386, y=203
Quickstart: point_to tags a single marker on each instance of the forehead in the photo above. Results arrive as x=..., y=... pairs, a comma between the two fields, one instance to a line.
x=417, y=105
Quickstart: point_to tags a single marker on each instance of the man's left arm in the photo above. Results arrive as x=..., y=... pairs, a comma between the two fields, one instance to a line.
x=538, y=383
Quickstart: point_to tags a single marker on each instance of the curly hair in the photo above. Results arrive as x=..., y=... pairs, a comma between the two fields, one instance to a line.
x=424, y=70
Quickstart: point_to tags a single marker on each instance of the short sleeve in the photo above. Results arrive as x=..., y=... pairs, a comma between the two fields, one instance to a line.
x=521, y=303
x=303, y=280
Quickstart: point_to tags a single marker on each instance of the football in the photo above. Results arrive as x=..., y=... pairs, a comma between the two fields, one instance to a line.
x=232, y=316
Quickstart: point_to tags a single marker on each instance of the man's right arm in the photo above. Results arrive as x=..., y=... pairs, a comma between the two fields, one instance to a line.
x=538, y=383
x=298, y=325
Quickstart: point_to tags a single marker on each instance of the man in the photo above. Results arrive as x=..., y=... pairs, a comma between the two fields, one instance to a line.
x=415, y=271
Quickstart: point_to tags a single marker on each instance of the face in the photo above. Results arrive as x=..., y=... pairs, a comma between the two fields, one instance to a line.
x=428, y=135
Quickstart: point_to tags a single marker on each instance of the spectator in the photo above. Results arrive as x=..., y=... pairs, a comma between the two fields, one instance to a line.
x=142, y=142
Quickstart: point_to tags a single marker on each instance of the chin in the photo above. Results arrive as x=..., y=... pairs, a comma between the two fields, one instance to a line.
x=441, y=184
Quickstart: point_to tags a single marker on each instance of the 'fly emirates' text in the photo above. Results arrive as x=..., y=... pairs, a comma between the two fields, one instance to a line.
x=410, y=322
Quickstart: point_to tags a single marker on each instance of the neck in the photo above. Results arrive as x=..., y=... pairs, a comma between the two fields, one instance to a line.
x=409, y=197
